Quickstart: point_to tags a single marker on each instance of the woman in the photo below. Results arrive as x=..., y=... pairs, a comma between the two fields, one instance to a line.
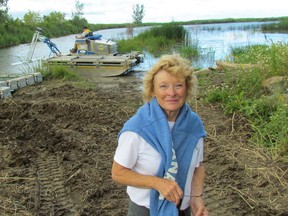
x=160, y=149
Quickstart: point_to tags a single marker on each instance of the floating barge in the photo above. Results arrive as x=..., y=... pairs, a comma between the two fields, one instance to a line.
x=98, y=54
x=104, y=65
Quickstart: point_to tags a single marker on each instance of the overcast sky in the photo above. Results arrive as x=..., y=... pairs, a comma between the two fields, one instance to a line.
x=120, y=11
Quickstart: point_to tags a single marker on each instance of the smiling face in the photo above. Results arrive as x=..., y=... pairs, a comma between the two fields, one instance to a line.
x=170, y=93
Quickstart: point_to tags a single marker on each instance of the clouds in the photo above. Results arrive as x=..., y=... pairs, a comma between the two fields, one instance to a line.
x=38, y=6
x=117, y=11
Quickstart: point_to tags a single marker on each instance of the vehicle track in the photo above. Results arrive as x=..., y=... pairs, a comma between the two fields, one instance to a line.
x=59, y=140
x=51, y=196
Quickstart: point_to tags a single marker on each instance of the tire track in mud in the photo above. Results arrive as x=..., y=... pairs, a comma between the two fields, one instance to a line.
x=51, y=195
x=219, y=197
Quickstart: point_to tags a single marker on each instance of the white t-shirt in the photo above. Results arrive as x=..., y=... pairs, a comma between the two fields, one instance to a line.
x=135, y=153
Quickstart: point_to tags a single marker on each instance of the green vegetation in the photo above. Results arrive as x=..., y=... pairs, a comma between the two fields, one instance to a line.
x=190, y=48
x=138, y=13
x=230, y=20
x=156, y=40
x=189, y=51
x=59, y=72
x=273, y=57
x=281, y=26
x=19, y=31
x=243, y=93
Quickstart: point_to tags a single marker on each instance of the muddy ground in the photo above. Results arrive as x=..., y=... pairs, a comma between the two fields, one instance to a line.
x=57, y=141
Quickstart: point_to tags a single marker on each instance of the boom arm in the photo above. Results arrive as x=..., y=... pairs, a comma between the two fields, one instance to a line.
x=37, y=36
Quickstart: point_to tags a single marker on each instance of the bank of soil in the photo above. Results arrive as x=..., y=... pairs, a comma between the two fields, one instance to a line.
x=58, y=140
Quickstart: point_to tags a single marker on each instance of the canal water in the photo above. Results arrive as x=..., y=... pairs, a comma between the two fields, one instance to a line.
x=214, y=40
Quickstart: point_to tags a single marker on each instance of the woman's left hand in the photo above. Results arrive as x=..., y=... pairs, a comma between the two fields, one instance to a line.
x=198, y=206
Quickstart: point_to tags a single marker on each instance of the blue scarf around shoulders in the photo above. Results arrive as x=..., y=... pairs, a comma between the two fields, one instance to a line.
x=151, y=123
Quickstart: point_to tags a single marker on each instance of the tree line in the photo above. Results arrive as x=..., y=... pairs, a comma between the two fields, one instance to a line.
x=19, y=31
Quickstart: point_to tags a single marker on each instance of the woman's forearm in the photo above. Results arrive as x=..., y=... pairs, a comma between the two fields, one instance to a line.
x=198, y=181
x=125, y=176
x=167, y=188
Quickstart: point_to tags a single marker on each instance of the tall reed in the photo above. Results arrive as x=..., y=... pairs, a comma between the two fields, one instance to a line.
x=156, y=40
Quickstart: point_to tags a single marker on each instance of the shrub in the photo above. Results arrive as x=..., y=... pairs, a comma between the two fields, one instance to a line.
x=243, y=93
x=59, y=72
x=156, y=40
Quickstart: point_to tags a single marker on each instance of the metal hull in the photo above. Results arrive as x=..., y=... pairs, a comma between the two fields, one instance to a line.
x=106, y=65
x=100, y=55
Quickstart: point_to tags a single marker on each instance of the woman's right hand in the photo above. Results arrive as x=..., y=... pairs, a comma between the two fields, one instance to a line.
x=169, y=189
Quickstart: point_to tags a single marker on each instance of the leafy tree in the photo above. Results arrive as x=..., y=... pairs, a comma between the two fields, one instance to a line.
x=55, y=18
x=32, y=19
x=3, y=11
x=79, y=9
x=3, y=3
x=77, y=16
x=54, y=24
x=138, y=13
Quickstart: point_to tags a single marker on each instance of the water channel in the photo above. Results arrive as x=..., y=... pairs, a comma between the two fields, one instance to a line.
x=215, y=42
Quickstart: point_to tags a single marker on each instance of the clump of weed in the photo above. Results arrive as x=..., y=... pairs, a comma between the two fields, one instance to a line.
x=59, y=72
x=156, y=40
x=243, y=93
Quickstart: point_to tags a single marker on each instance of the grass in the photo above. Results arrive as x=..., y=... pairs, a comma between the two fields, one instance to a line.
x=59, y=72
x=156, y=40
x=243, y=93
x=272, y=57
x=190, y=49
x=281, y=26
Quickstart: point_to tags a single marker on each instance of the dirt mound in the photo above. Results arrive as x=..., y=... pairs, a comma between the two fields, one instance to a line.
x=58, y=141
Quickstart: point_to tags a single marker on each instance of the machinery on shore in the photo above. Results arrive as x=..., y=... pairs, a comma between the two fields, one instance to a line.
x=93, y=52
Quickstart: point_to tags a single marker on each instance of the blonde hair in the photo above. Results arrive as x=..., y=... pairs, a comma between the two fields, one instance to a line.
x=175, y=65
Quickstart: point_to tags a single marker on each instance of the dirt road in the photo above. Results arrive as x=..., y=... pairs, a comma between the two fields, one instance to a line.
x=58, y=140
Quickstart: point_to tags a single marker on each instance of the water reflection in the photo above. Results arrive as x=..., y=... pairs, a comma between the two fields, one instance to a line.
x=215, y=42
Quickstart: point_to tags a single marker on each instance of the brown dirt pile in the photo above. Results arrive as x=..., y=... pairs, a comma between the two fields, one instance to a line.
x=58, y=141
